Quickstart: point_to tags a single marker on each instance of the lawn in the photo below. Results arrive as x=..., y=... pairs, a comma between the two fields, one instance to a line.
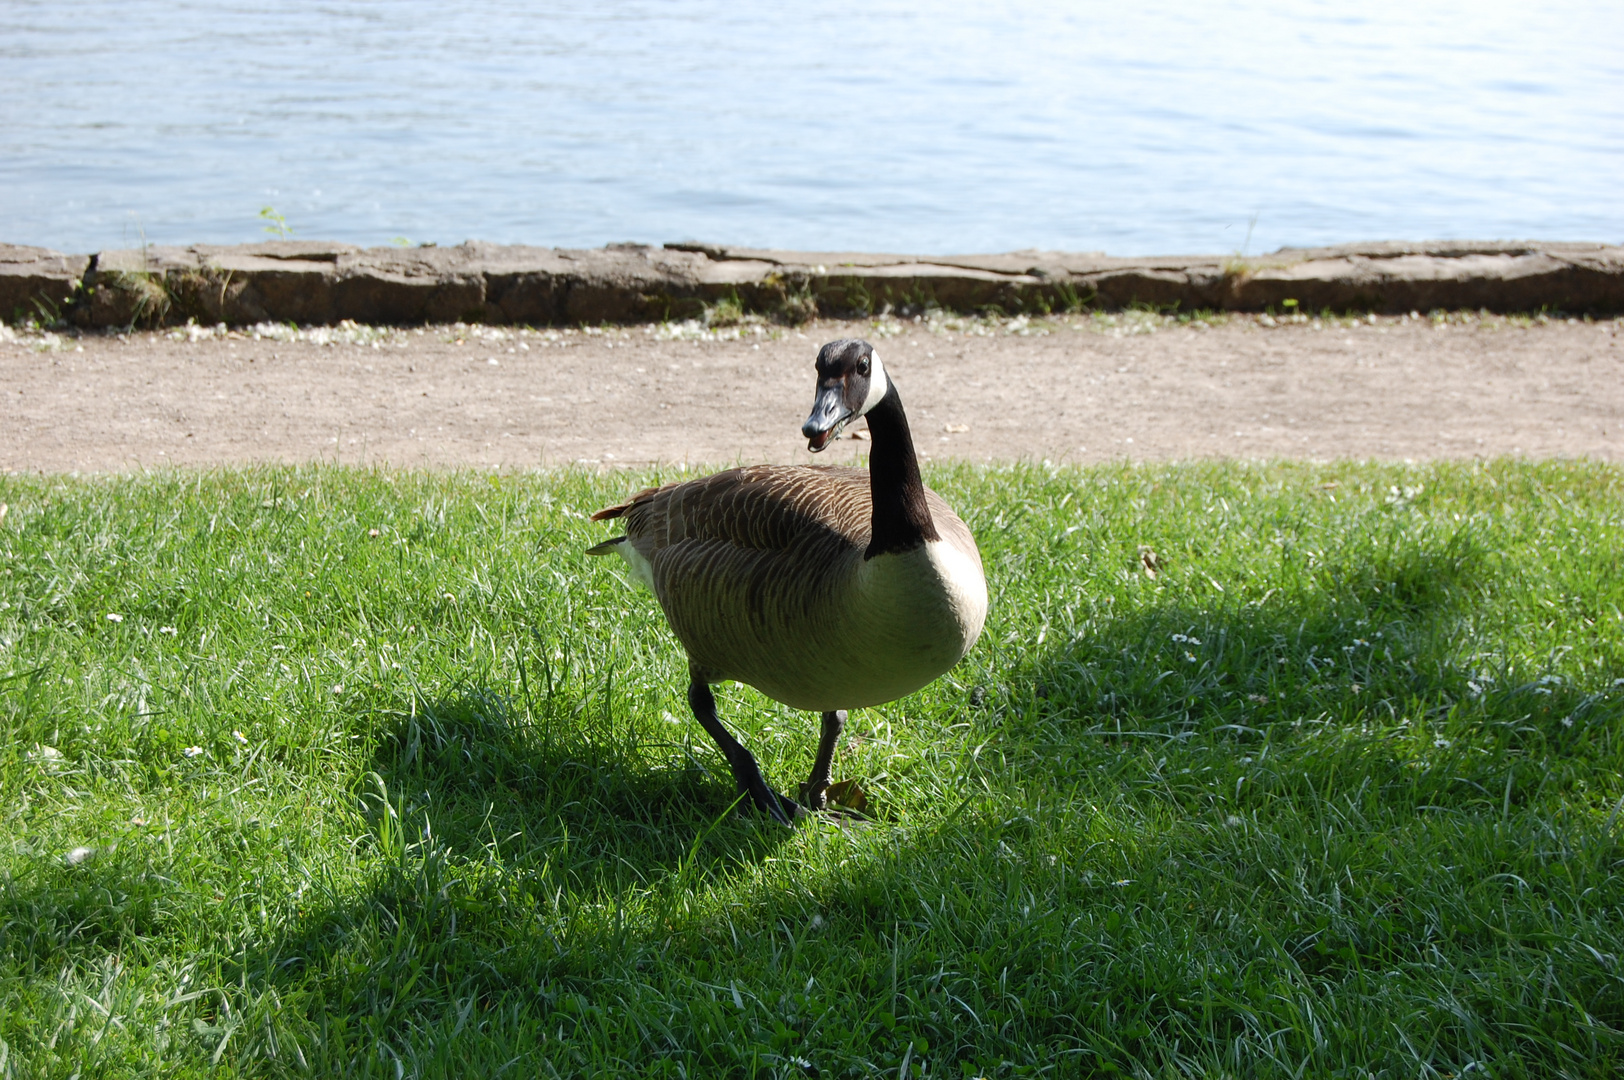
x=1258, y=770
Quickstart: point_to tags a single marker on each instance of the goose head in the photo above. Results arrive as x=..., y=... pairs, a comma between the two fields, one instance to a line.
x=851, y=381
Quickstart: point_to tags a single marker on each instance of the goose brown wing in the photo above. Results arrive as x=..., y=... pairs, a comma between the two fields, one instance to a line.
x=759, y=508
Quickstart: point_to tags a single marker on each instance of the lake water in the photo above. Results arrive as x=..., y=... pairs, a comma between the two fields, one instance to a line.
x=1133, y=129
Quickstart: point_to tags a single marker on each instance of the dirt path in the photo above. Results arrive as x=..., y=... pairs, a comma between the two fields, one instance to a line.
x=1088, y=389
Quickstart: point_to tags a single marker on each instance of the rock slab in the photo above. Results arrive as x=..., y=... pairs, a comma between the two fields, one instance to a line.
x=313, y=282
x=38, y=284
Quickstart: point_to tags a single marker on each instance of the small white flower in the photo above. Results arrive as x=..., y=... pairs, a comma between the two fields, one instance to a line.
x=338, y=688
x=49, y=757
x=239, y=736
x=1441, y=743
x=1190, y=656
x=192, y=751
x=114, y=617
x=1567, y=721
x=170, y=630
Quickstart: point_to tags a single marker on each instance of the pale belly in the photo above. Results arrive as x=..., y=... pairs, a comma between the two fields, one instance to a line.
x=902, y=621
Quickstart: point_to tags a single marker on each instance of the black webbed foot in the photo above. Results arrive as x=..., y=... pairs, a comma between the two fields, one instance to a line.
x=765, y=799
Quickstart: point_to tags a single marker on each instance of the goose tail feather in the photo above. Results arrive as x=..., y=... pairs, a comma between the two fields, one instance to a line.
x=607, y=547
x=620, y=509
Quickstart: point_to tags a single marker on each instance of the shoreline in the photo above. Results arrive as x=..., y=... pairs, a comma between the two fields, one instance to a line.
x=316, y=283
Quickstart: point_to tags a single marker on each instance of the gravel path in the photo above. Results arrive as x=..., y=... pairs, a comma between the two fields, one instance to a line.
x=1083, y=389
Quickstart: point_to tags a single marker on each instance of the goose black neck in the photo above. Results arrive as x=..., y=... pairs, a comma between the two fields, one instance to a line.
x=902, y=519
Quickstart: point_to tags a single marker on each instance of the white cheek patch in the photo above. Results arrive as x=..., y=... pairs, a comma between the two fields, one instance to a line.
x=879, y=384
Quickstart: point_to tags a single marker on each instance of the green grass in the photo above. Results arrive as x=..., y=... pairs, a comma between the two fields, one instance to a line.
x=1337, y=793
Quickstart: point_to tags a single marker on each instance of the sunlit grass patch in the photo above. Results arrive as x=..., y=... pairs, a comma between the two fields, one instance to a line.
x=1257, y=770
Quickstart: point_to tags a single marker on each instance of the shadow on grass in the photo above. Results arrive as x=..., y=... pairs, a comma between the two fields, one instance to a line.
x=59, y=913
x=512, y=845
x=1377, y=654
x=488, y=772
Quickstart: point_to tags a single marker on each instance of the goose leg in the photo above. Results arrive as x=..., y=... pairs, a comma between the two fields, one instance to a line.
x=813, y=791
x=746, y=773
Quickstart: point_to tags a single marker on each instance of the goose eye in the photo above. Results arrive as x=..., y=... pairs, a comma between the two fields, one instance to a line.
x=862, y=367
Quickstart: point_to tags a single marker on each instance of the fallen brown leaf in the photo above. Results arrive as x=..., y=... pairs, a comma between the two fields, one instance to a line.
x=1150, y=561
x=846, y=795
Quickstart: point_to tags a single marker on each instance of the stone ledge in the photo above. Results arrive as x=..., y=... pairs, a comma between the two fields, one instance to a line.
x=318, y=282
x=36, y=283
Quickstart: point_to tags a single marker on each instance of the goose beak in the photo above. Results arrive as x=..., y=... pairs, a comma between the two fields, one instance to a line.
x=829, y=416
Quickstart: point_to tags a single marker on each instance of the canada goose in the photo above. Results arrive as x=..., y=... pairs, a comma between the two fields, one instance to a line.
x=823, y=587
